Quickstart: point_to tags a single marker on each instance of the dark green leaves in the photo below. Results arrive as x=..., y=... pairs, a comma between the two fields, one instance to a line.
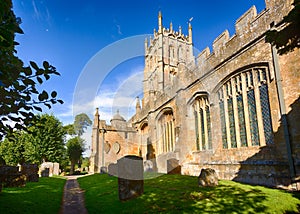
x=34, y=65
x=19, y=94
x=53, y=94
x=43, y=96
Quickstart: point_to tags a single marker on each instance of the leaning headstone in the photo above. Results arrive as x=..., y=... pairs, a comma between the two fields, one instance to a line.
x=208, y=177
x=130, y=177
x=31, y=172
x=173, y=166
x=113, y=169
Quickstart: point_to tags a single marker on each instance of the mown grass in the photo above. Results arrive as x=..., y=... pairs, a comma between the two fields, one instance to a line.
x=181, y=194
x=44, y=197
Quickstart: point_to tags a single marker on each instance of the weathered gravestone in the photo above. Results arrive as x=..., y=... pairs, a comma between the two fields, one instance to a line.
x=31, y=172
x=10, y=176
x=113, y=169
x=130, y=177
x=208, y=177
x=148, y=166
x=45, y=172
x=173, y=166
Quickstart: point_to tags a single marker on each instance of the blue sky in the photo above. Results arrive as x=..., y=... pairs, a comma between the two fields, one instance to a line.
x=70, y=34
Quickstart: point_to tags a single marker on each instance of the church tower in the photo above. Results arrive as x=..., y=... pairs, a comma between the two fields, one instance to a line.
x=164, y=53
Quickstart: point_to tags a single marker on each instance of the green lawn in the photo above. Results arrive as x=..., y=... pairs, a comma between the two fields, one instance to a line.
x=44, y=197
x=181, y=194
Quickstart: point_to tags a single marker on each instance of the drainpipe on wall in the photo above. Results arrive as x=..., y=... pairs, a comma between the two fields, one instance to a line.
x=283, y=112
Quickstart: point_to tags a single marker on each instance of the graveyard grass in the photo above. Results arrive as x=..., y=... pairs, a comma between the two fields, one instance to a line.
x=181, y=194
x=44, y=197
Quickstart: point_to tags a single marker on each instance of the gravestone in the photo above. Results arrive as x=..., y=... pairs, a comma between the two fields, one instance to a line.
x=173, y=166
x=148, y=166
x=103, y=170
x=31, y=172
x=113, y=169
x=45, y=172
x=208, y=177
x=130, y=177
x=10, y=176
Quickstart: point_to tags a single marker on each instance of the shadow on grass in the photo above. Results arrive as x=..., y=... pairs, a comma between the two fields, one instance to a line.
x=177, y=194
x=172, y=194
x=36, y=197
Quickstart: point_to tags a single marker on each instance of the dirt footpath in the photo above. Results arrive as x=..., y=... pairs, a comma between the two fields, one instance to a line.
x=73, y=198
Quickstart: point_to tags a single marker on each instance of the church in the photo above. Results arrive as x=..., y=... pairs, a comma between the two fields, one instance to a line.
x=234, y=108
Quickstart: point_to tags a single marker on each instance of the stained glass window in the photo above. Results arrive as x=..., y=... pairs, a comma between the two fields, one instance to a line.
x=231, y=123
x=266, y=113
x=208, y=127
x=253, y=118
x=251, y=96
x=202, y=129
x=241, y=115
x=223, y=124
x=202, y=124
x=197, y=131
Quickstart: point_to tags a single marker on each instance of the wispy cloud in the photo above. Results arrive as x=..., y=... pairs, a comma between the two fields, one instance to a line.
x=119, y=29
x=41, y=13
x=120, y=95
x=36, y=11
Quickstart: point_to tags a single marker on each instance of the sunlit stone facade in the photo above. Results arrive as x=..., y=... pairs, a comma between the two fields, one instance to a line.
x=234, y=109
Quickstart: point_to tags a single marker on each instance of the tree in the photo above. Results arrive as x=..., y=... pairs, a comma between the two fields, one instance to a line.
x=82, y=121
x=44, y=140
x=47, y=140
x=287, y=38
x=12, y=152
x=18, y=83
x=75, y=147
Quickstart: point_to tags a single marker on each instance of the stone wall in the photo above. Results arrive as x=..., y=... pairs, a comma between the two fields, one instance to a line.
x=266, y=164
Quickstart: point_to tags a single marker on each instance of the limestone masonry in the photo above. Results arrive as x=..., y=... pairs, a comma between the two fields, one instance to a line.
x=234, y=109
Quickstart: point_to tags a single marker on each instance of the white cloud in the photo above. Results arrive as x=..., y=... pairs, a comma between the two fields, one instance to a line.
x=109, y=100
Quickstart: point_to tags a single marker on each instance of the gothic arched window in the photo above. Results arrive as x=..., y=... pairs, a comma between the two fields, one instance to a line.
x=166, y=131
x=245, y=109
x=202, y=123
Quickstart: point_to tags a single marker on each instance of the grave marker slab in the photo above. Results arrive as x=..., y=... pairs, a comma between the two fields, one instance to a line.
x=130, y=177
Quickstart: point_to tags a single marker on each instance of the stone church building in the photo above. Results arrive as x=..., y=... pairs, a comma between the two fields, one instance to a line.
x=234, y=108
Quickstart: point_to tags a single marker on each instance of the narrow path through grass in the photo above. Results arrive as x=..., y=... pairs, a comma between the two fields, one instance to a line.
x=181, y=194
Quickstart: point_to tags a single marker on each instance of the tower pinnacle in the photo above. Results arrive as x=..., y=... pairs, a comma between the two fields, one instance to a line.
x=160, y=22
x=190, y=33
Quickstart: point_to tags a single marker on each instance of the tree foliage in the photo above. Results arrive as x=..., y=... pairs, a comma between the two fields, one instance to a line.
x=75, y=147
x=20, y=96
x=47, y=136
x=44, y=141
x=287, y=38
x=13, y=152
x=82, y=121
